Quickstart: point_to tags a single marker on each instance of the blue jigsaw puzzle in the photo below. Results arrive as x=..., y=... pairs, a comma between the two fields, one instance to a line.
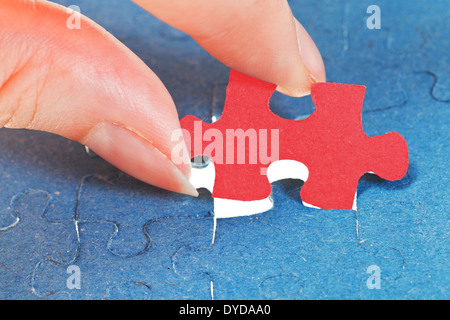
x=63, y=211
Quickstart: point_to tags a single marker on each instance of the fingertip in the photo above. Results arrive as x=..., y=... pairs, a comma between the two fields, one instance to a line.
x=310, y=54
x=138, y=157
x=314, y=68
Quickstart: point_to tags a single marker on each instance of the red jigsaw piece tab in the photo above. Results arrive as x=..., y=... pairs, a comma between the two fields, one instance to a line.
x=331, y=143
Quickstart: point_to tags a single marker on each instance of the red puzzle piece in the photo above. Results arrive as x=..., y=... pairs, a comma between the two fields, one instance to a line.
x=330, y=143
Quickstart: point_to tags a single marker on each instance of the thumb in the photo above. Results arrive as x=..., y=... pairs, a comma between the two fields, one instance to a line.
x=85, y=85
x=259, y=38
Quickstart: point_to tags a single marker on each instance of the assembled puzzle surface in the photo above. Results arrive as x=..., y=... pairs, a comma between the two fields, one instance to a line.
x=62, y=210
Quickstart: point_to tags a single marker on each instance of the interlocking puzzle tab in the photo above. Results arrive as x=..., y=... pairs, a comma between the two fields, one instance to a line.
x=331, y=143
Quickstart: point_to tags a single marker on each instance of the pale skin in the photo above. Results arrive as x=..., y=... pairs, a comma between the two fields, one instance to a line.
x=85, y=85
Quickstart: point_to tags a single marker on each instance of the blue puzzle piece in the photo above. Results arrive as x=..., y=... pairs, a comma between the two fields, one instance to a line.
x=148, y=275
x=417, y=38
x=410, y=220
x=279, y=254
x=38, y=187
x=30, y=238
x=131, y=204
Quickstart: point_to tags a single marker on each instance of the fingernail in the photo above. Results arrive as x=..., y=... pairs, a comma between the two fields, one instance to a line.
x=312, y=60
x=138, y=157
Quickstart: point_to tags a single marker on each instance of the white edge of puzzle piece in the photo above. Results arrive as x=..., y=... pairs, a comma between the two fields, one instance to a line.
x=278, y=170
x=203, y=177
x=287, y=169
x=226, y=208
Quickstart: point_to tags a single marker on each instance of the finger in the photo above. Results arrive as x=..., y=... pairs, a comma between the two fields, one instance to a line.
x=260, y=38
x=82, y=83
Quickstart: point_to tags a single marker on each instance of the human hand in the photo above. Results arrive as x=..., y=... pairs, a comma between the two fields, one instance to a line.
x=85, y=85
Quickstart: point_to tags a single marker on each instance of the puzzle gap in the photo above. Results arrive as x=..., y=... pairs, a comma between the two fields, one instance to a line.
x=301, y=108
